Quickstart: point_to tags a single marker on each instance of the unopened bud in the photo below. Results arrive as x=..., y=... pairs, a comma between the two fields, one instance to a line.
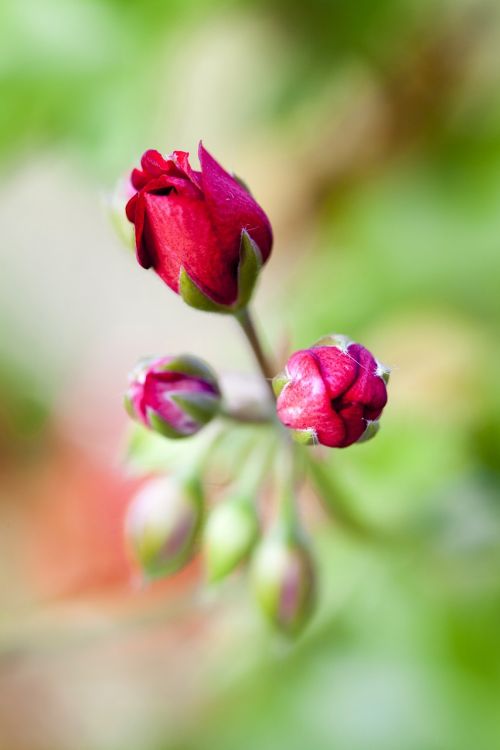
x=332, y=393
x=201, y=231
x=162, y=525
x=283, y=577
x=176, y=396
x=230, y=534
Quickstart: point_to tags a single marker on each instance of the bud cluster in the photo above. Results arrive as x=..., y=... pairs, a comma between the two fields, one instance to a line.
x=206, y=237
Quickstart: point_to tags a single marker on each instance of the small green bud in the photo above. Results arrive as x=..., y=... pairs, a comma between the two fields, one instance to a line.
x=283, y=577
x=162, y=525
x=229, y=536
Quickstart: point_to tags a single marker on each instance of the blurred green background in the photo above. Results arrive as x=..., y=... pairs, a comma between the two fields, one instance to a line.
x=370, y=132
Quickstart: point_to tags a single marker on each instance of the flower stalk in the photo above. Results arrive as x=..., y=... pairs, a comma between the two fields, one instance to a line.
x=245, y=320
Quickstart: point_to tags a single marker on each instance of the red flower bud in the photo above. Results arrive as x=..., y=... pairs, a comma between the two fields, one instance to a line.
x=332, y=393
x=175, y=396
x=189, y=225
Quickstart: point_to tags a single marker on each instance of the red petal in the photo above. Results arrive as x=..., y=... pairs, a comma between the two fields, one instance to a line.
x=138, y=179
x=232, y=209
x=154, y=163
x=178, y=233
x=354, y=422
x=369, y=389
x=136, y=213
x=305, y=402
x=181, y=160
x=333, y=433
x=166, y=181
x=130, y=208
x=337, y=369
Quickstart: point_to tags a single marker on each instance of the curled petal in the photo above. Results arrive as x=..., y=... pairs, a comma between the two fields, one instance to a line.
x=369, y=389
x=181, y=160
x=232, y=208
x=154, y=163
x=337, y=369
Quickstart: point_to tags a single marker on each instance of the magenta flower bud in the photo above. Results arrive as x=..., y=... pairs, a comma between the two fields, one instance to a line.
x=283, y=577
x=332, y=393
x=176, y=396
x=162, y=525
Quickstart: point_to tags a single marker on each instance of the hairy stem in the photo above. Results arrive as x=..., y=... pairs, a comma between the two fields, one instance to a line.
x=245, y=320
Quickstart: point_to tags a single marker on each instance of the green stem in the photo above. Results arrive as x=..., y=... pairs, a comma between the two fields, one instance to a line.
x=336, y=504
x=247, y=325
x=243, y=417
x=289, y=480
x=201, y=452
x=256, y=468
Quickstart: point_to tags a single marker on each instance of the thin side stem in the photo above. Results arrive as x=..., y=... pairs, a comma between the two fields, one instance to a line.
x=334, y=501
x=246, y=418
x=245, y=320
x=338, y=507
x=289, y=477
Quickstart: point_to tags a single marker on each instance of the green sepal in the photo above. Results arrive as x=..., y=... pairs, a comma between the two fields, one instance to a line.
x=338, y=340
x=249, y=266
x=194, y=297
x=248, y=270
x=304, y=437
x=384, y=372
x=279, y=382
x=186, y=364
x=200, y=406
x=371, y=430
x=163, y=428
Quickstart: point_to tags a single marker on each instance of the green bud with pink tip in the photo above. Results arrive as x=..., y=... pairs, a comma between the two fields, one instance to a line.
x=162, y=525
x=284, y=581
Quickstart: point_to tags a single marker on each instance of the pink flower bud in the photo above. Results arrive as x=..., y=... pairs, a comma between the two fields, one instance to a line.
x=283, y=579
x=175, y=396
x=189, y=224
x=162, y=525
x=332, y=393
